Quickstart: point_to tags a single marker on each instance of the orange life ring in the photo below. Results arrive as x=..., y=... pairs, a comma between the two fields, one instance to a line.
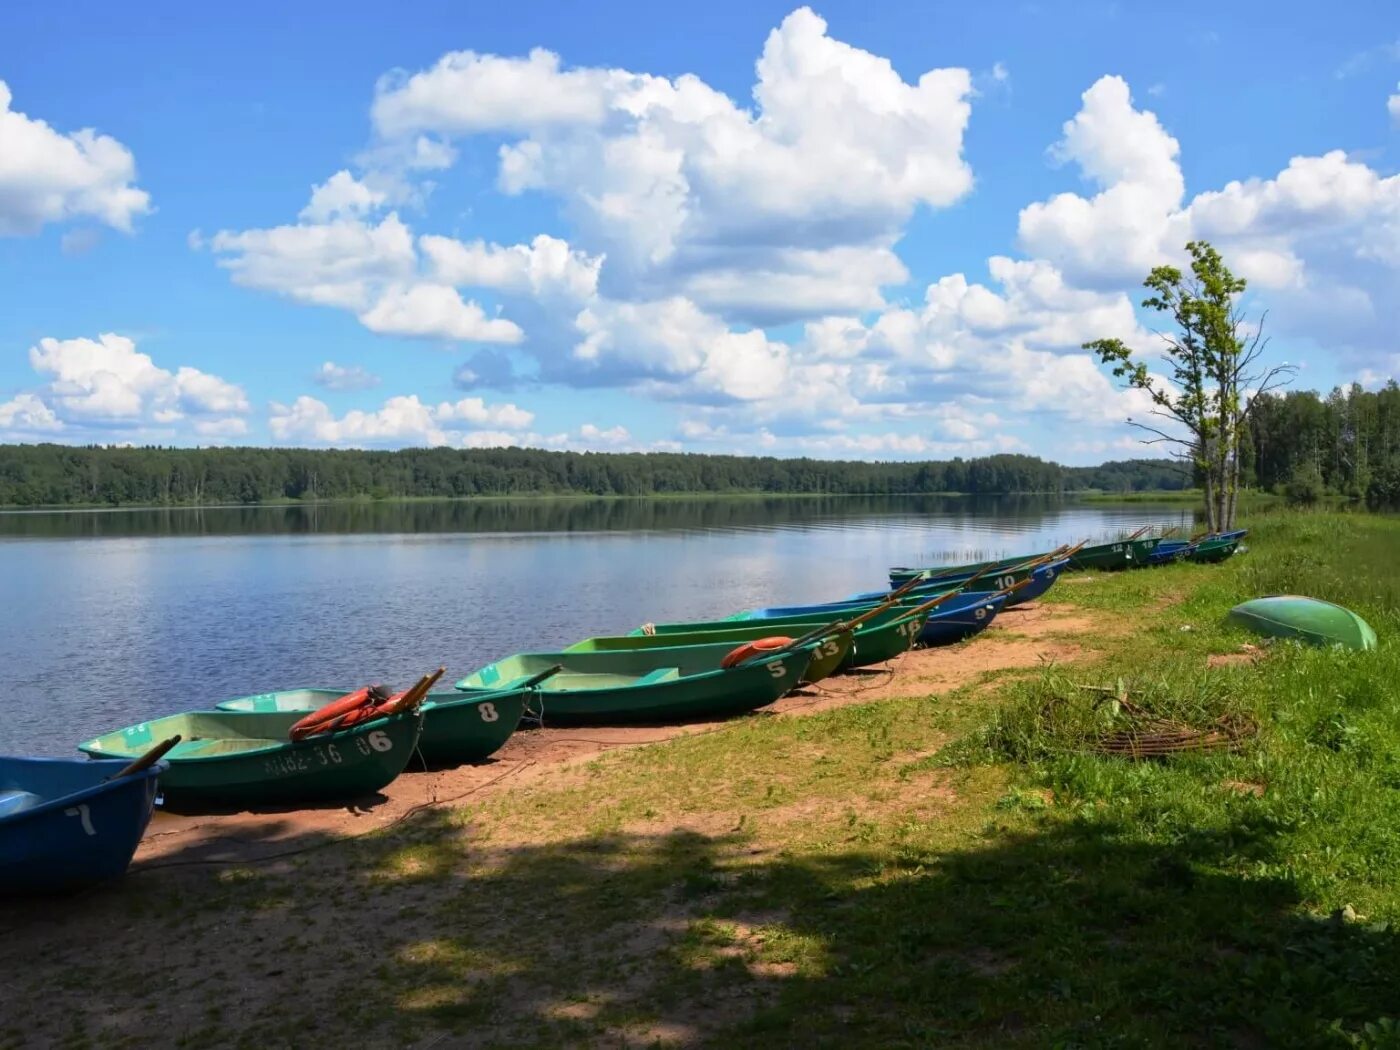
x=756, y=648
x=348, y=710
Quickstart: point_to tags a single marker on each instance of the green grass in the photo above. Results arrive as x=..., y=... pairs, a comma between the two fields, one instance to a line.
x=1249, y=500
x=959, y=870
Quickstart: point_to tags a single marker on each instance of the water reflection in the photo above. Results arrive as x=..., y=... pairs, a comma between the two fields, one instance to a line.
x=548, y=515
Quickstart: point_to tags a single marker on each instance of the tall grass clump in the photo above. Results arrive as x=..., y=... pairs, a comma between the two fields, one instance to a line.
x=1351, y=559
x=1060, y=714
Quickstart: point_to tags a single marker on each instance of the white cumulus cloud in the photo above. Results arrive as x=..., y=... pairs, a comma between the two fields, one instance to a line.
x=48, y=176
x=105, y=383
x=436, y=311
x=401, y=420
x=685, y=190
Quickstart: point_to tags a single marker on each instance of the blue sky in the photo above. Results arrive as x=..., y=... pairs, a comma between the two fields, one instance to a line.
x=852, y=230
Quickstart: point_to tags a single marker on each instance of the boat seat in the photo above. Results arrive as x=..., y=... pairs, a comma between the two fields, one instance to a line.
x=661, y=674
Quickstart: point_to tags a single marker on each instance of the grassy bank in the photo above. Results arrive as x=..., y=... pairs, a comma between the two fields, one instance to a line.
x=1249, y=500
x=958, y=869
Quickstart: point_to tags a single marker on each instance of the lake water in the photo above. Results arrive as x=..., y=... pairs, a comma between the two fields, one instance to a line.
x=112, y=617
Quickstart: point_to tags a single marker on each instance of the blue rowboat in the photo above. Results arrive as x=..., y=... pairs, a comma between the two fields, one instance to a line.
x=64, y=826
x=1168, y=551
x=829, y=611
x=944, y=628
x=1175, y=550
x=1041, y=580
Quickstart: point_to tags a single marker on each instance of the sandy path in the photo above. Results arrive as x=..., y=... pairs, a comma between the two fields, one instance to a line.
x=1026, y=636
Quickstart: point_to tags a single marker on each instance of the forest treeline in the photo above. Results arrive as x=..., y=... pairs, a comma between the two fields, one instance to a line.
x=58, y=475
x=1347, y=443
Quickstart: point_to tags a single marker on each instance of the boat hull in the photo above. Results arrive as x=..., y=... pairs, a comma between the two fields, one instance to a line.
x=458, y=728
x=828, y=654
x=1104, y=557
x=903, y=574
x=960, y=625
x=1041, y=580
x=1307, y=619
x=231, y=759
x=1210, y=551
x=849, y=607
x=82, y=833
x=616, y=688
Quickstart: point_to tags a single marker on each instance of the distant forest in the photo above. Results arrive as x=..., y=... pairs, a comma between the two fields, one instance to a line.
x=1306, y=446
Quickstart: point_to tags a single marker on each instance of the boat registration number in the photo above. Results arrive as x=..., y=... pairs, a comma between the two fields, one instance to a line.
x=322, y=755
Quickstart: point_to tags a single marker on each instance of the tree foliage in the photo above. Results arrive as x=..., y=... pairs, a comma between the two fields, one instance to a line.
x=58, y=475
x=1211, y=355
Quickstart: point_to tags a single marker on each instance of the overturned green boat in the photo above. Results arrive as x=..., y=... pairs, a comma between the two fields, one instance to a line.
x=664, y=685
x=456, y=728
x=830, y=652
x=233, y=759
x=1307, y=619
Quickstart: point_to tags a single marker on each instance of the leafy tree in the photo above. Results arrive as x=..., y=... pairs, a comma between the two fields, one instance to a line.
x=1211, y=355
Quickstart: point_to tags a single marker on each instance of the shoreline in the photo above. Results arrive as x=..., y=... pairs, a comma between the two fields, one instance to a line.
x=1086, y=496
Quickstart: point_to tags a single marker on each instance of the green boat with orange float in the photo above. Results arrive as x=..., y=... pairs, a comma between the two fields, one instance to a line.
x=345, y=749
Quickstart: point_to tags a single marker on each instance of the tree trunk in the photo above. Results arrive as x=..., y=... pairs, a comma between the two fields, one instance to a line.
x=1210, y=498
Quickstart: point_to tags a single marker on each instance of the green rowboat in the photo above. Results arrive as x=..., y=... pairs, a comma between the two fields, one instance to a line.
x=1107, y=557
x=456, y=728
x=991, y=570
x=789, y=625
x=830, y=652
x=1309, y=619
x=645, y=686
x=1120, y=554
x=883, y=637
x=1143, y=548
x=237, y=759
x=1209, y=551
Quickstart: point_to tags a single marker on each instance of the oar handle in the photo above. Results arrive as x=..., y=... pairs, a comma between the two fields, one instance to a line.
x=420, y=689
x=547, y=673
x=147, y=760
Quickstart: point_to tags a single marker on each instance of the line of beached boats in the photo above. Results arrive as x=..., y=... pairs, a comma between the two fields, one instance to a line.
x=66, y=823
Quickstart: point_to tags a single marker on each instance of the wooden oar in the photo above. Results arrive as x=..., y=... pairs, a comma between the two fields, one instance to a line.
x=840, y=626
x=1138, y=533
x=420, y=689
x=147, y=760
x=939, y=599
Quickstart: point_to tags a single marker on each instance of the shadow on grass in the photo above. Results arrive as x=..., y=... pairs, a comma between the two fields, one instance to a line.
x=1077, y=934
